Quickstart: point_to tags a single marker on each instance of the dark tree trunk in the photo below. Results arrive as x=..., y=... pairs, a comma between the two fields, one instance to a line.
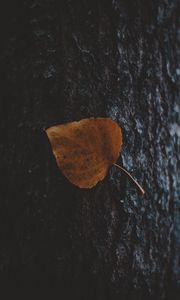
x=67, y=60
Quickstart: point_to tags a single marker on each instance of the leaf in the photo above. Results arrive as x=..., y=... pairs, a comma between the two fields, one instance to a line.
x=85, y=150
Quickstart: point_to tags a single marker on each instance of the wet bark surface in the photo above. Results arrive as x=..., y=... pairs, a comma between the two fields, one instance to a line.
x=63, y=61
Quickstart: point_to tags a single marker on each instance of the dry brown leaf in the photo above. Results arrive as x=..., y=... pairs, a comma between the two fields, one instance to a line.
x=86, y=149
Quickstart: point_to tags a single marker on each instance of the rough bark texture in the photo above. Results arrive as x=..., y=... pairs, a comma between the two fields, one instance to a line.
x=63, y=61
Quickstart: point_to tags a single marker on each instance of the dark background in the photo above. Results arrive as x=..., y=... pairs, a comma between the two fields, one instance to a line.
x=66, y=60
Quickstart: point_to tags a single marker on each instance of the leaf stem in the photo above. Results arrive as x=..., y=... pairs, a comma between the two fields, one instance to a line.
x=133, y=180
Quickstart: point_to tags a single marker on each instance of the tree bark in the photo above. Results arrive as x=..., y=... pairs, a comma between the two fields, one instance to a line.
x=67, y=60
